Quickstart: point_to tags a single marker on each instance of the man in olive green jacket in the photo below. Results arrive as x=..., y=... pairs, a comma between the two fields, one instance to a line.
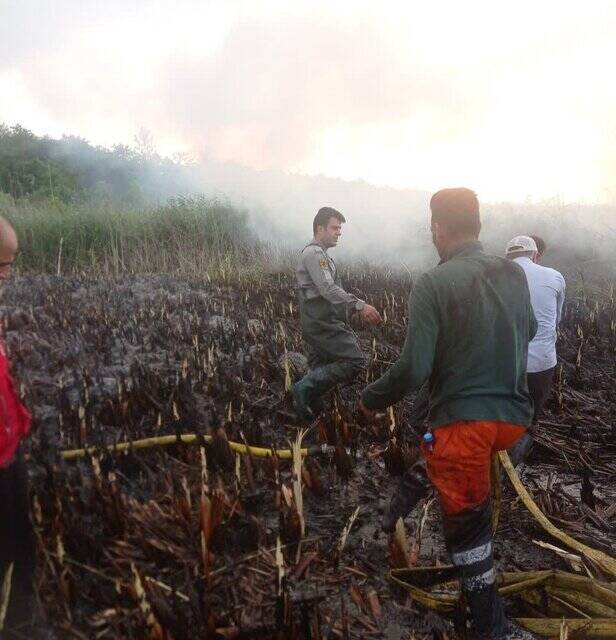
x=334, y=355
x=469, y=325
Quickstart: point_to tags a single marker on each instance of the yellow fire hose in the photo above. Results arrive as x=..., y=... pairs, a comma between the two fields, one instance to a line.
x=188, y=438
x=586, y=606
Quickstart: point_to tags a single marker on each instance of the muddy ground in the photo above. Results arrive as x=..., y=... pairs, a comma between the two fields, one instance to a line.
x=107, y=361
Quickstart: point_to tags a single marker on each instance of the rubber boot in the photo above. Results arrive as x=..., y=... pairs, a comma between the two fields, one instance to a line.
x=520, y=449
x=307, y=392
x=516, y=632
x=300, y=395
x=412, y=488
x=468, y=537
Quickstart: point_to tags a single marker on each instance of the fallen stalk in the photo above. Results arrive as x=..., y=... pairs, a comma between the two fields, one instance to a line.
x=607, y=563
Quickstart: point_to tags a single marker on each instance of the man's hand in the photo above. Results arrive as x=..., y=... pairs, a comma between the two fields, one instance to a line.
x=370, y=315
x=370, y=414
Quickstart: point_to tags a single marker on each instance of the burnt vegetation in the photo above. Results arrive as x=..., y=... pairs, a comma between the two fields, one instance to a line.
x=230, y=532
x=198, y=540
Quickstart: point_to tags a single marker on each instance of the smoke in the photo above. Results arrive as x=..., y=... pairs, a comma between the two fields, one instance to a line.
x=508, y=100
x=514, y=100
x=391, y=226
x=383, y=224
x=275, y=85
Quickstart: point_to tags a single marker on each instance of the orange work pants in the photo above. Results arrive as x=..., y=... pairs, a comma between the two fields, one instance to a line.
x=459, y=462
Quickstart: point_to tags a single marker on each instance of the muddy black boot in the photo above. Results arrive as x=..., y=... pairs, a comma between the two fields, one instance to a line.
x=516, y=632
x=520, y=449
x=412, y=488
x=300, y=396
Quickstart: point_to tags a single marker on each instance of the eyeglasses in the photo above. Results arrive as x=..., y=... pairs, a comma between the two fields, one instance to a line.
x=11, y=262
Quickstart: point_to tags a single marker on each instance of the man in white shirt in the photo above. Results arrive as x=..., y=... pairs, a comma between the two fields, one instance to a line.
x=547, y=295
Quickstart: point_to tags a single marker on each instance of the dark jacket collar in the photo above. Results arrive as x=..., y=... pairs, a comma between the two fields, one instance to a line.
x=466, y=249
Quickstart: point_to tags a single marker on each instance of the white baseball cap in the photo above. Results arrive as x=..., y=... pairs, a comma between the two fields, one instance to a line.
x=521, y=243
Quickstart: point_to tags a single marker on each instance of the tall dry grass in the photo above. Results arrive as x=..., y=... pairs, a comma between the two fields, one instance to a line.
x=186, y=236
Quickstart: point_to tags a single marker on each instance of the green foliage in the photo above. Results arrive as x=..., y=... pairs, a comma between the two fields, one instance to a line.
x=71, y=170
x=27, y=167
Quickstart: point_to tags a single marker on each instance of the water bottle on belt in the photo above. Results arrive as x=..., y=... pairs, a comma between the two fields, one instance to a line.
x=428, y=441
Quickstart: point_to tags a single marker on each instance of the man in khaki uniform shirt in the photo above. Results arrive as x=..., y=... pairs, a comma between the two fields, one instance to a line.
x=332, y=348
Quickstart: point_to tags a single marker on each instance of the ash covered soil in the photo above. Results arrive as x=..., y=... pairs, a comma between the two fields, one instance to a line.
x=121, y=537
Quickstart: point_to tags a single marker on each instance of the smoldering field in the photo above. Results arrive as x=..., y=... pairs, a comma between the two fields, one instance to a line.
x=130, y=319
x=181, y=541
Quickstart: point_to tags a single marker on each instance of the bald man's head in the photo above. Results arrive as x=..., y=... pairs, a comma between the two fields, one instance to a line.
x=8, y=248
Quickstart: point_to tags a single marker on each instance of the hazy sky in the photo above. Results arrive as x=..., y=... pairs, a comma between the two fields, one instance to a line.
x=515, y=100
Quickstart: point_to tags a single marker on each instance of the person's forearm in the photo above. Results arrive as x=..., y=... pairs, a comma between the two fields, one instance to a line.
x=532, y=324
x=337, y=295
x=414, y=365
x=560, y=304
x=390, y=388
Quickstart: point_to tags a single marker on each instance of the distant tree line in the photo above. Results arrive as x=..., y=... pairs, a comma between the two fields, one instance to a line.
x=70, y=170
